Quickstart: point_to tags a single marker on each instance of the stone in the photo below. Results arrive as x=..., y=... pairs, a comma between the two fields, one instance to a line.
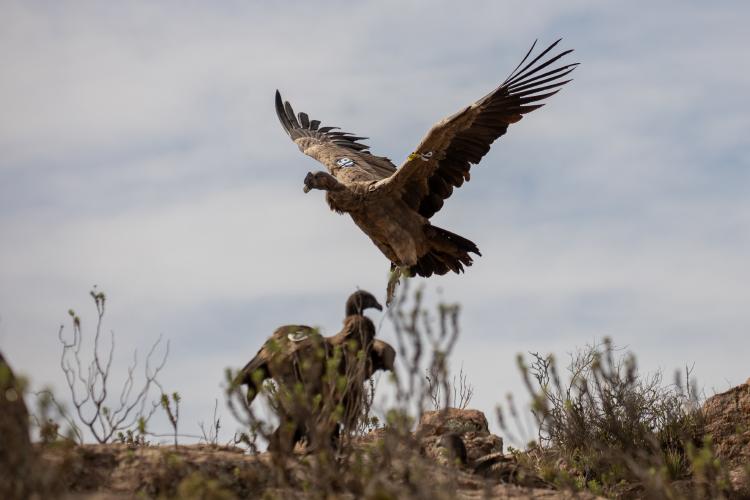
x=469, y=425
x=434, y=423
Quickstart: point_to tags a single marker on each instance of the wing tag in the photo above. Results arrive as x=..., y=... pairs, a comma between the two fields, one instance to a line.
x=422, y=156
x=344, y=162
x=297, y=336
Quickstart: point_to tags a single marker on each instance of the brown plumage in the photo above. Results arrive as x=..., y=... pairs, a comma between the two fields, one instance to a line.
x=393, y=206
x=298, y=354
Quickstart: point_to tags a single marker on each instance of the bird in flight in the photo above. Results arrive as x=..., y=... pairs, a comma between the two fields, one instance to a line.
x=393, y=205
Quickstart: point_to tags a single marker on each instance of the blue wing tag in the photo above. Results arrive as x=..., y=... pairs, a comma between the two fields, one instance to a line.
x=344, y=162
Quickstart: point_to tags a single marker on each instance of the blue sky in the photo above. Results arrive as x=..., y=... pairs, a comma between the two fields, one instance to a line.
x=141, y=153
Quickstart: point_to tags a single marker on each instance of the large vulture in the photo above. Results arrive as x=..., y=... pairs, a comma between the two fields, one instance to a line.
x=300, y=360
x=393, y=206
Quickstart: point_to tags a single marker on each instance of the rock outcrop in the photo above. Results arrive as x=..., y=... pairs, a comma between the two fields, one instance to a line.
x=727, y=421
x=437, y=431
x=16, y=454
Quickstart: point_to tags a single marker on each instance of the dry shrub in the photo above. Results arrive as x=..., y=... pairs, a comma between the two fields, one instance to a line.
x=616, y=432
x=105, y=412
x=460, y=391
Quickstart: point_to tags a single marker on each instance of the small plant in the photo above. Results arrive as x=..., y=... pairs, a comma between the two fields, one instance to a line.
x=460, y=391
x=47, y=417
x=135, y=437
x=211, y=434
x=173, y=413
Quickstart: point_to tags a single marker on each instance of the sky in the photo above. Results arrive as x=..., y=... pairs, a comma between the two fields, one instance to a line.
x=141, y=153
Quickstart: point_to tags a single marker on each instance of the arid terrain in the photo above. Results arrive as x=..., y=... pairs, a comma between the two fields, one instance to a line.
x=450, y=454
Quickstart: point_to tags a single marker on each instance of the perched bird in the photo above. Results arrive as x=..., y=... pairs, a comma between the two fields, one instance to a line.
x=297, y=356
x=393, y=206
x=278, y=353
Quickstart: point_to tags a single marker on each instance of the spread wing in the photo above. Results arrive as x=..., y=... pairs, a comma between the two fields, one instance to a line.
x=443, y=158
x=329, y=145
x=383, y=356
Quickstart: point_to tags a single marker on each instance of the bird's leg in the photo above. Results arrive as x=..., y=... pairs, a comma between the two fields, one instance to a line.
x=321, y=180
x=393, y=280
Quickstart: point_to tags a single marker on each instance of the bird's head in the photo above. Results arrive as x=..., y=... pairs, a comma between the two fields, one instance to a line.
x=320, y=180
x=359, y=301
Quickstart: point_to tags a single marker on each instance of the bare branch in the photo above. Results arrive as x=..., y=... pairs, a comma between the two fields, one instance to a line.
x=89, y=388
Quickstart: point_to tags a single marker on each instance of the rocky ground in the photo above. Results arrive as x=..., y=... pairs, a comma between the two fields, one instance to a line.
x=117, y=471
x=476, y=467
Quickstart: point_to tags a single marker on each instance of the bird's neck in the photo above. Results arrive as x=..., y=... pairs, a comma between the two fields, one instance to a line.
x=359, y=328
x=348, y=199
x=352, y=310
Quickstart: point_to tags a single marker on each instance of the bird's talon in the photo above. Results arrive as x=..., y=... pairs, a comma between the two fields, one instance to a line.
x=393, y=281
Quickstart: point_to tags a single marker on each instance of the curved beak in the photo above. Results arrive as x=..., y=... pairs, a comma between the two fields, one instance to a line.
x=308, y=182
x=378, y=306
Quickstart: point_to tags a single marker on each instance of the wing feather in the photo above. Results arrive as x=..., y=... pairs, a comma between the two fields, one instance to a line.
x=457, y=142
x=327, y=144
x=304, y=120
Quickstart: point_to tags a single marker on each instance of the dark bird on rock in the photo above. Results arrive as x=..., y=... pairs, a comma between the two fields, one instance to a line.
x=299, y=355
x=393, y=206
x=276, y=357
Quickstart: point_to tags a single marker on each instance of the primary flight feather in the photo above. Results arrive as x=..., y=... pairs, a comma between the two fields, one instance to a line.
x=393, y=206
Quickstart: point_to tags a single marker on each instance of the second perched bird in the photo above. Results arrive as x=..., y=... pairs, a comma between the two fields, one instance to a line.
x=307, y=366
x=393, y=206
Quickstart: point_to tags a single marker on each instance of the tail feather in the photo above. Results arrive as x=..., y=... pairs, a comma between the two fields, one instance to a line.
x=448, y=252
